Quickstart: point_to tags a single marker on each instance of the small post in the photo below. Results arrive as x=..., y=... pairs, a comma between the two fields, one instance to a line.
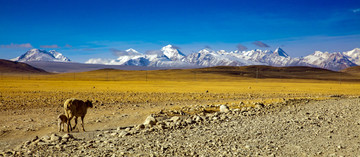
x=339, y=78
x=107, y=75
x=146, y=76
x=257, y=74
x=194, y=76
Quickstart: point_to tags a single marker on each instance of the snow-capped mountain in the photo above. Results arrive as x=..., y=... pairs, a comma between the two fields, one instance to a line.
x=266, y=57
x=172, y=53
x=353, y=55
x=132, y=52
x=170, y=56
x=207, y=57
x=280, y=52
x=326, y=60
x=41, y=55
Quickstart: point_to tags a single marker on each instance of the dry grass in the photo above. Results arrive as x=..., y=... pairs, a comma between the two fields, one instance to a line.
x=160, y=87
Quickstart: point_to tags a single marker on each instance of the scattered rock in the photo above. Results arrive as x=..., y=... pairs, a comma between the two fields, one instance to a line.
x=150, y=120
x=175, y=119
x=68, y=136
x=271, y=133
x=197, y=118
x=259, y=105
x=139, y=127
x=189, y=121
x=45, y=138
x=123, y=133
x=55, y=137
x=224, y=109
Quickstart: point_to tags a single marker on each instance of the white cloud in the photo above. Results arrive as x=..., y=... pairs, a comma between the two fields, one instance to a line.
x=49, y=46
x=98, y=61
x=12, y=45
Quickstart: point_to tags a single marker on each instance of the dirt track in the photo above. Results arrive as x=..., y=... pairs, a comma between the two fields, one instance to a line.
x=315, y=128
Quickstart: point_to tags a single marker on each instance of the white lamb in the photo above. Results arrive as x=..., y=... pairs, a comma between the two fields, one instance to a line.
x=62, y=121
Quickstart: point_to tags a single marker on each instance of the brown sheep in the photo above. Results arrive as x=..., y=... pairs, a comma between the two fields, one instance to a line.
x=76, y=108
x=62, y=121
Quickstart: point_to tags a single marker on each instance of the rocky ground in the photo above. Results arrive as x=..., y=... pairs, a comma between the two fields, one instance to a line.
x=293, y=128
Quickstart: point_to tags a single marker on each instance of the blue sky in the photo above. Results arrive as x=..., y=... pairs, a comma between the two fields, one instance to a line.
x=90, y=29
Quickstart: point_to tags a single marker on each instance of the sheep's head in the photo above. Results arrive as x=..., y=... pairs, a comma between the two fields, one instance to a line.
x=88, y=103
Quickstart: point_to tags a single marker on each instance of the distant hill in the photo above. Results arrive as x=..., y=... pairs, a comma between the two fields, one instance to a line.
x=292, y=72
x=352, y=70
x=66, y=67
x=7, y=66
x=254, y=71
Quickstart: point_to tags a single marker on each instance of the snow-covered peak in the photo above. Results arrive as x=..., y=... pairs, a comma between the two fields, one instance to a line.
x=133, y=52
x=41, y=55
x=34, y=50
x=280, y=52
x=169, y=47
x=318, y=53
x=222, y=52
x=354, y=52
x=59, y=56
x=206, y=51
x=353, y=55
x=333, y=61
x=172, y=52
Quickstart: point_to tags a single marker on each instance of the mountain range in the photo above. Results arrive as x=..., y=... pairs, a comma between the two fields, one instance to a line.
x=171, y=57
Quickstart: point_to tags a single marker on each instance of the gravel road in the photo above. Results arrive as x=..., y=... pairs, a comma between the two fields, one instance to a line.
x=295, y=128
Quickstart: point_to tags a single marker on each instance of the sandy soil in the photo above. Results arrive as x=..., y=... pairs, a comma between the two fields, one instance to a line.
x=295, y=128
x=19, y=125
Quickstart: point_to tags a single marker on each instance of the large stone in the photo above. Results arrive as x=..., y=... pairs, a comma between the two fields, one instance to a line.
x=55, y=137
x=123, y=133
x=197, y=118
x=140, y=127
x=224, y=109
x=189, y=121
x=45, y=137
x=67, y=136
x=259, y=105
x=175, y=119
x=150, y=120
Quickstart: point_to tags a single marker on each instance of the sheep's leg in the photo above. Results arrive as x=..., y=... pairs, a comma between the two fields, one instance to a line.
x=60, y=126
x=82, y=122
x=63, y=126
x=69, y=124
x=75, y=118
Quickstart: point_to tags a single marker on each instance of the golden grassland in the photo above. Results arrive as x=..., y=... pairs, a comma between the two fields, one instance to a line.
x=181, y=87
